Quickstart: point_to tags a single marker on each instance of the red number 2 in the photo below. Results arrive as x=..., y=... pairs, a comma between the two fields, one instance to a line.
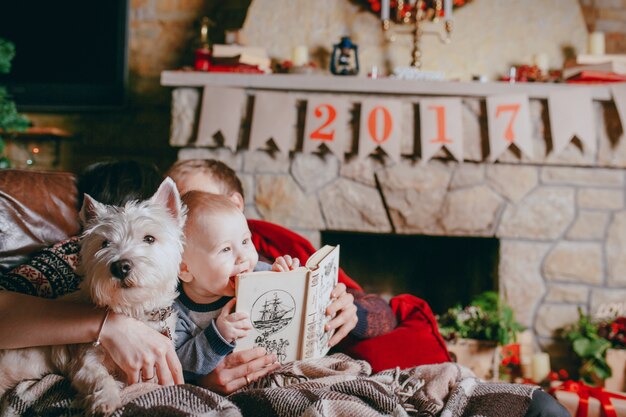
x=329, y=134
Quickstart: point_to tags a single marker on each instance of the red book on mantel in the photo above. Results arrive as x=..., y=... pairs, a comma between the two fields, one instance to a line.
x=242, y=68
x=596, y=77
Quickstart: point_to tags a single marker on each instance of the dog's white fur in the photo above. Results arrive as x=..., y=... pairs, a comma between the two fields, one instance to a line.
x=149, y=286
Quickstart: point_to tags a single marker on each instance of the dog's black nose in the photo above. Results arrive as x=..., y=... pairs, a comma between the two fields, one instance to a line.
x=120, y=269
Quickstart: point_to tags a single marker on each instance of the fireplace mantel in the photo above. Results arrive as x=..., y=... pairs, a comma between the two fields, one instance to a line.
x=327, y=83
x=560, y=219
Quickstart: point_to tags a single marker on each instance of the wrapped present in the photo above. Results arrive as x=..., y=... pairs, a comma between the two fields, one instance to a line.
x=478, y=355
x=582, y=400
x=616, y=359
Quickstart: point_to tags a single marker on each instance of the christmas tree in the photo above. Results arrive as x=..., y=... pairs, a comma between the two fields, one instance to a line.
x=10, y=119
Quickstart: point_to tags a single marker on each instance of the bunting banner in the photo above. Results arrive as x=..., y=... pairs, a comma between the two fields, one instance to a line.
x=572, y=115
x=441, y=125
x=618, y=91
x=274, y=117
x=222, y=111
x=327, y=123
x=379, y=127
x=508, y=120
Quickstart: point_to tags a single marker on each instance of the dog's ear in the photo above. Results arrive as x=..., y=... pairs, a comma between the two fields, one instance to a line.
x=90, y=210
x=168, y=196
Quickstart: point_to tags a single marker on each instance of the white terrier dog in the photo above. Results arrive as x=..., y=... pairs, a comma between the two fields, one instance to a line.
x=129, y=259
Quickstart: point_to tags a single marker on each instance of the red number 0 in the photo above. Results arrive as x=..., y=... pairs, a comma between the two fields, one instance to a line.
x=509, y=135
x=318, y=134
x=372, y=124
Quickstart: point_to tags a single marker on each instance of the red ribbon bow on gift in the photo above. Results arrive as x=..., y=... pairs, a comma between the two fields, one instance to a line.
x=585, y=392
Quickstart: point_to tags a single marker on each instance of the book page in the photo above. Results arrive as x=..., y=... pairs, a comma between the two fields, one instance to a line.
x=325, y=271
x=275, y=302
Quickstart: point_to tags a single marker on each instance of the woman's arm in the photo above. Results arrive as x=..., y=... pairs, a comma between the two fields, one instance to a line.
x=32, y=321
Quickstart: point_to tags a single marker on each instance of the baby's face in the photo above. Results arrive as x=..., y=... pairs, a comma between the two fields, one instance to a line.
x=216, y=253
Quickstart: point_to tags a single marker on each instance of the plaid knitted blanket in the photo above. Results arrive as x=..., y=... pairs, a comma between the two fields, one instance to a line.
x=332, y=386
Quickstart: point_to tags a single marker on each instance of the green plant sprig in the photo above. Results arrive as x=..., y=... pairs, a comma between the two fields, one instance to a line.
x=590, y=348
x=487, y=317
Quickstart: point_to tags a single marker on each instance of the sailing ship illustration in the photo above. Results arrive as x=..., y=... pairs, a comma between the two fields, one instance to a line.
x=274, y=313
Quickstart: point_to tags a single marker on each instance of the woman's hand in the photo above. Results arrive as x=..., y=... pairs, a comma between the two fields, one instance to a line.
x=140, y=351
x=285, y=263
x=239, y=369
x=343, y=313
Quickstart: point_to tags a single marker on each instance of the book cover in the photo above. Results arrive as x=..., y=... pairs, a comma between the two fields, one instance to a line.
x=287, y=309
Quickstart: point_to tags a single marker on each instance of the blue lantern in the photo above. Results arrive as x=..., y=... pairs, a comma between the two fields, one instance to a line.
x=345, y=58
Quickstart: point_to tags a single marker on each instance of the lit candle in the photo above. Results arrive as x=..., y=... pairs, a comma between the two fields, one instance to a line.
x=447, y=9
x=384, y=10
x=300, y=56
x=596, y=43
x=540, y=366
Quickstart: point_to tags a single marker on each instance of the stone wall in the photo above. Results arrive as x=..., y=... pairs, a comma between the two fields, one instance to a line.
x=489, y=35
x=561, y=220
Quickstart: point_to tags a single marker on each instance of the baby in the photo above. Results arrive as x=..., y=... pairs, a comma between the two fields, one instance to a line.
x=218, y=248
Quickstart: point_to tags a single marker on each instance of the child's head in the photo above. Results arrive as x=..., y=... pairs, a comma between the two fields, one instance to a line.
x=218, y=247
x=208, y=175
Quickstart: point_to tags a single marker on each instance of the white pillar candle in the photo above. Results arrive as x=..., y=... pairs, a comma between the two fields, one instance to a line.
x=542, y=62
x=447, y=9
x=596, y=43
x=540, y=366
x=384, y=10
x=300, y=56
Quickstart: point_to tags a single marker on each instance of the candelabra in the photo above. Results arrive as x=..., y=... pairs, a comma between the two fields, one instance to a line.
x=412, y=14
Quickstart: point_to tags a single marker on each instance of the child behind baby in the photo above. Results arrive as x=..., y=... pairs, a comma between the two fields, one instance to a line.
x=218, y=248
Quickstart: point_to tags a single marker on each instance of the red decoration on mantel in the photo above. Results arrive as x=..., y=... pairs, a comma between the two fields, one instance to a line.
x=375, y=5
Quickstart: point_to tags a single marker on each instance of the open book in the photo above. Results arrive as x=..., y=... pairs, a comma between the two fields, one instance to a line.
x=287, y=309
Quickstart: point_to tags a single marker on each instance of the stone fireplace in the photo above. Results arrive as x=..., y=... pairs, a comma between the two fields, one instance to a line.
x=560, y=219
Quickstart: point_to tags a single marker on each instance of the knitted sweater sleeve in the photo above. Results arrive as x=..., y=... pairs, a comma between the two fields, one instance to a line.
x=374, y=313
x=199, y=350
x=50, y=273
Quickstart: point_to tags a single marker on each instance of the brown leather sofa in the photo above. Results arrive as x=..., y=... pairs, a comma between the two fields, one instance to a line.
x=37, y=209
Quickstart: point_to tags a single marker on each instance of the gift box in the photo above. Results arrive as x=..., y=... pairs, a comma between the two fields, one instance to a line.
x=616, y=359
x=582, y=400
x=478, y=355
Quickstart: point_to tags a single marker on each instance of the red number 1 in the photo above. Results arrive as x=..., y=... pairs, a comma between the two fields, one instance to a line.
x=441, y=125
x=509, y=135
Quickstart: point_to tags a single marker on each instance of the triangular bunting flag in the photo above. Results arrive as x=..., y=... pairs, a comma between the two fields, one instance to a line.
x=571, y=114
x=222, y=111
x=508, y=119
x=619, y=97
x=326, y=123
x=380, y=127
x=441, y=125
x=274, y=117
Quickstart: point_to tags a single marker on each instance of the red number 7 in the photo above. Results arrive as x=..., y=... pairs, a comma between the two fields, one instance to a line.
x=509, y=135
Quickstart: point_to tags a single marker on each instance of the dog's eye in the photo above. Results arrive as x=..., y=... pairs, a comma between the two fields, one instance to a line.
x=105, y=244
x=149, y=239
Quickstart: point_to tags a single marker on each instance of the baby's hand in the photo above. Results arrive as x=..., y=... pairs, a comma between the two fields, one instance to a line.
x=285, y=263
x=232, y=326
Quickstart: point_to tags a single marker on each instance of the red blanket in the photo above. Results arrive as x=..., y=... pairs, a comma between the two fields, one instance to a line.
x=416, y=340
